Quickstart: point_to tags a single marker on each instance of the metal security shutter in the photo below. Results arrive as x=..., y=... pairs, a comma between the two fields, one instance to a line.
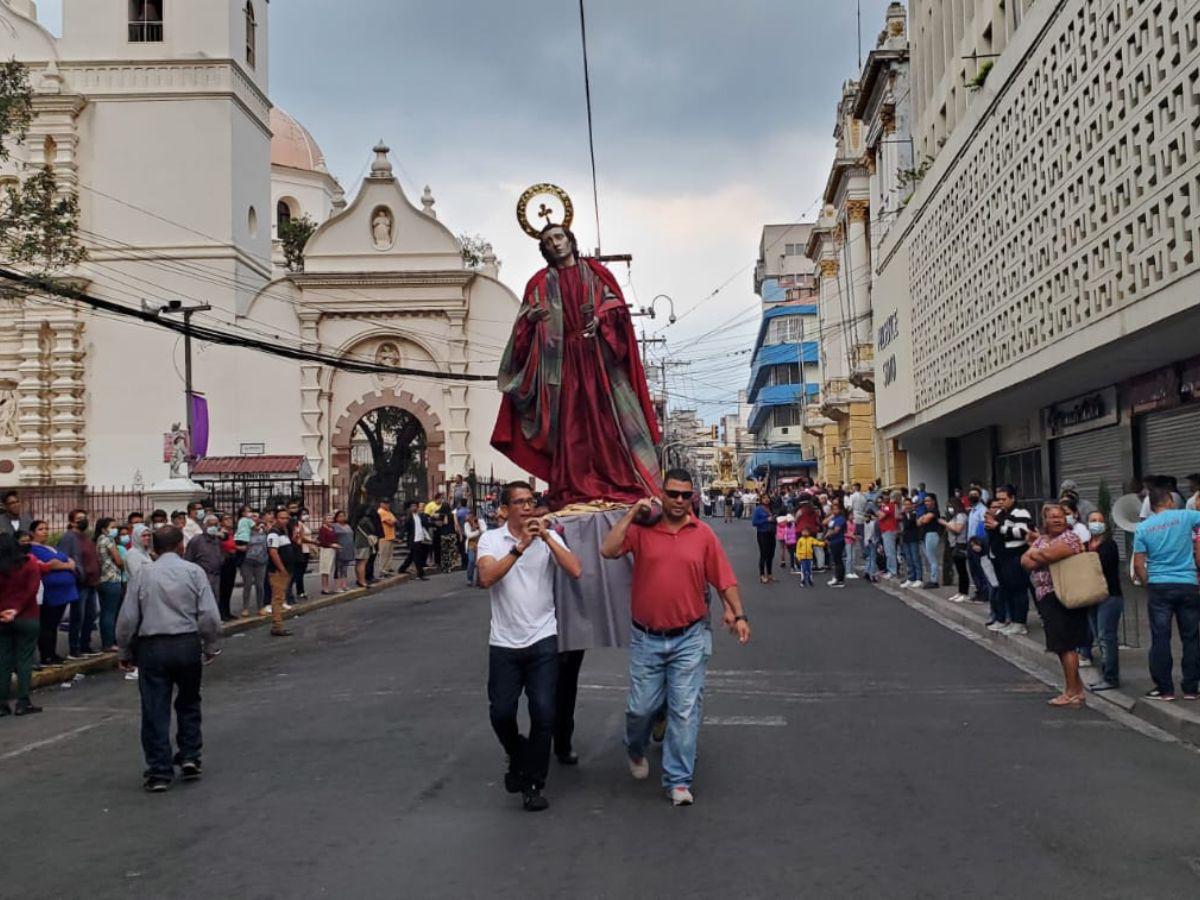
x=1091, y=458
x=1170, y=443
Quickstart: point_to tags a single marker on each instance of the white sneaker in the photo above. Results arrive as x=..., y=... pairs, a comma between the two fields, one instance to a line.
x=681, y=796
x=639, y=768
x=1014, y=628
x=1084, y=662
x=851, y=576
x=831, y=582
x=957, y=598
x=287, y=606
x=997, y=626
x=910, y=584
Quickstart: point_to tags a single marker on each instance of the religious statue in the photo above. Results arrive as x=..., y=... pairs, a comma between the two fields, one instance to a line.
x=179, y=451
x=381, y=228
x=576, y=411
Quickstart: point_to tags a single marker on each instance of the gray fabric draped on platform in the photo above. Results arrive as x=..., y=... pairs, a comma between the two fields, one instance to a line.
x=593, y=610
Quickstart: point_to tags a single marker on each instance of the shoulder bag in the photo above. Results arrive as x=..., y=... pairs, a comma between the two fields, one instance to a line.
x=1079, y=581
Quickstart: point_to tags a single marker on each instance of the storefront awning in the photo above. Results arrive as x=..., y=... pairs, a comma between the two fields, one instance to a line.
x=779, y=395
x=779, y=355
x=777, y=458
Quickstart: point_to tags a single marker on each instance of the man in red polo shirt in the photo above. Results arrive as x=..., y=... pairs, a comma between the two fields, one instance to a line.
x=674, y=560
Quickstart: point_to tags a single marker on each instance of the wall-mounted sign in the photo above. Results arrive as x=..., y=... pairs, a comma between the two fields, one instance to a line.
x=1083, y=413
x=1154, y=390
x=252, y=449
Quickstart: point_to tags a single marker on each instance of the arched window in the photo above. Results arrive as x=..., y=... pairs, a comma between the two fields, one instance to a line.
x=283, y=213
x=145, y=21
x=251, y=25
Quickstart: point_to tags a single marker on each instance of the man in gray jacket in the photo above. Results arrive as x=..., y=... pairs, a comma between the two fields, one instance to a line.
x=169, y=625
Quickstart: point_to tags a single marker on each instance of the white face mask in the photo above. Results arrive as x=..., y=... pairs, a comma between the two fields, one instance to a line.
x=1070, y=520
x=1096, y=528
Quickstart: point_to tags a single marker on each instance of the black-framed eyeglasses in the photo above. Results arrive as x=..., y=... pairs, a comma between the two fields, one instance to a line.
x=522, y=501
x=679, y=495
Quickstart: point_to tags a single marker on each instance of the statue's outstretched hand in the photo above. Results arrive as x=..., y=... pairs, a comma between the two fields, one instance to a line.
x=538, y=314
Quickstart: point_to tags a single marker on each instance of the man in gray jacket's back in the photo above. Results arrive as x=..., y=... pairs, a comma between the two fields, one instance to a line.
x=169, y=625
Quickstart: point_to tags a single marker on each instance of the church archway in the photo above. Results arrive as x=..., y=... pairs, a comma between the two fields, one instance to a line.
x=389, y=444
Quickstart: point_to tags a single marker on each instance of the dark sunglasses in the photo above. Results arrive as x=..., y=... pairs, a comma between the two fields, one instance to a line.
x=679, y=495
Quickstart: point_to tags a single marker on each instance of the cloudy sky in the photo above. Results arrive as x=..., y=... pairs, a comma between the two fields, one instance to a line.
x=712, y=117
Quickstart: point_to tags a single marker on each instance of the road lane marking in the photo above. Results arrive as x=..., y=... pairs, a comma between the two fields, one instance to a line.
x=58, y=738
x=753, y=721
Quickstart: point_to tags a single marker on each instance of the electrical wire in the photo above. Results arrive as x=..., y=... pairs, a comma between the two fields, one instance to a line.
x=587, y=90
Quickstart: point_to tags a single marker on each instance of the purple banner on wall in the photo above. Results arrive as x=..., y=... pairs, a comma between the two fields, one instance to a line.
x=199, y=405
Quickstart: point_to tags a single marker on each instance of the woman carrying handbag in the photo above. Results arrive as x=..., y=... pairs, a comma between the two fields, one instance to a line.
x=1062, y=591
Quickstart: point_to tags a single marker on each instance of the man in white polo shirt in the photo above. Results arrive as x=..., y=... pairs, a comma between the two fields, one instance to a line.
x=516, y=563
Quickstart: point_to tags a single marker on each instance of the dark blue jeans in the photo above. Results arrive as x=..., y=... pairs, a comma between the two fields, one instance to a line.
x=110, y=605
x=1013, y=594
x=1181, y=602
x=534, y=670
x=1105, y=619
x=82, y=622
x=983, y=590
x=169, y=664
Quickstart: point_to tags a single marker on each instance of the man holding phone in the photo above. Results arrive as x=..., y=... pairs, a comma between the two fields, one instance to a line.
x=673, y=562
x=516, y=564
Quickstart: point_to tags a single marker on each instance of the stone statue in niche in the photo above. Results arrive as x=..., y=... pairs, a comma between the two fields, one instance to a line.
x=388, y=354
x=8, y=416
x=381, y=228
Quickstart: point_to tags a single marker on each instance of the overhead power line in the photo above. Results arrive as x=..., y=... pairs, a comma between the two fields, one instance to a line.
x=226, y=338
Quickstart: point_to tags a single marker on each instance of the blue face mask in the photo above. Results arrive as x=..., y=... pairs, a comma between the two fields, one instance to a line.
x=112, y=533
x=213, y=530
x=1096, y=528
x=125, y=540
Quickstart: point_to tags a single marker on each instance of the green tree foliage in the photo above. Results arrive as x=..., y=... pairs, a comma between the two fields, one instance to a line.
x=474, y=249
x=294, y=235
x=39, y=225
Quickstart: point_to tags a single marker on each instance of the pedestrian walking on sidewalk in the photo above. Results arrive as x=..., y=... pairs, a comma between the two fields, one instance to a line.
x=387, y=539
x=1008, y=527
x=674, y=562
x=1106, y=617
x=20, y=578
x=764, y=530
x=516, y=564
x=168, y=627
x=345, y=550
x=1065, y=628
x=889, y=532
x=282, y=552
x=1165, y=551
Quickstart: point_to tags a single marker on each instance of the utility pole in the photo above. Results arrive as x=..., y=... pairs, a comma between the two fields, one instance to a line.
x=176, y=307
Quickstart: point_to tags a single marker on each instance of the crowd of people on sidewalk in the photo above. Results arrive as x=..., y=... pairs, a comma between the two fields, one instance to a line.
x=1001, y=552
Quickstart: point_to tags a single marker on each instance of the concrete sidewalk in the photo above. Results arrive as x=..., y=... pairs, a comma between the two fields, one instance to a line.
x=53, y=675
x=1179, y=718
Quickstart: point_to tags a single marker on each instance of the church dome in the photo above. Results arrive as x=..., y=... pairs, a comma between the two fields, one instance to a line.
x=292, y=146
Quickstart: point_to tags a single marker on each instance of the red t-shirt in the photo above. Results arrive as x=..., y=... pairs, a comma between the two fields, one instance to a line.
x=670, y=571
x=887, y=517
x=19, y=589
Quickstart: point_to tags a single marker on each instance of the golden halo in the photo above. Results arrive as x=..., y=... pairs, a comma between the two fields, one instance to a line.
x=526, y=198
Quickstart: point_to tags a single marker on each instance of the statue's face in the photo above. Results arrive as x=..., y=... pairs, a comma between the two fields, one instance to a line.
x=557, y=244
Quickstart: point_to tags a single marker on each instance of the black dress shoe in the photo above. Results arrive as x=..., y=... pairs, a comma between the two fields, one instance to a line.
x=25, y=708
x=570, y=758
x=533, y=801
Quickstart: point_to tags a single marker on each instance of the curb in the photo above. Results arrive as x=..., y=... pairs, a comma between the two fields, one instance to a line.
x=108, y=661
x=1169, y=717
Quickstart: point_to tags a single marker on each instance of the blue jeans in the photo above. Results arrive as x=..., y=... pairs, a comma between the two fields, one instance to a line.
x=933, y=550
x=82, y=622
x=912, y=559
x=871, y=551
x=983, y=590
x=471, y=555
x=671, y=670
x=806, y=572
x=889, y=551
x=1012, y=596
x=534, y=670
x=110, y=605
x=1181, y=601
x=1105, y=619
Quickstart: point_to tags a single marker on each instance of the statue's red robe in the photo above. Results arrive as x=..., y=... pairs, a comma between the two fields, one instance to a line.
x=576, y=411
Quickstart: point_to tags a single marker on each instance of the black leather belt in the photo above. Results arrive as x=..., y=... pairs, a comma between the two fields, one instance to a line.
x=664, y=632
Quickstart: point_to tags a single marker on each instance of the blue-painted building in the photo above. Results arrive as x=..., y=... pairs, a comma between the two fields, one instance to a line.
x=785, y=370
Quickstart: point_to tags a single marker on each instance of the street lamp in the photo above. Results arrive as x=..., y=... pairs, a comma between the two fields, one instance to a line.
x=650, y=310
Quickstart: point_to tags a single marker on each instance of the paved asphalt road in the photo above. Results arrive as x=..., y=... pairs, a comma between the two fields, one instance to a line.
x=854, y=749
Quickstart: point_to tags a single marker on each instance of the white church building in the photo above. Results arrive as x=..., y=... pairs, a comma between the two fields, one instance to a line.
x=157, y=113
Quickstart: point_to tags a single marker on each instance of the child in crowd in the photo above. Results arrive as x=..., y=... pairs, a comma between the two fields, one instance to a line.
x=781, y=523
x=789, y=539
x=804, y=555
x=245, y=525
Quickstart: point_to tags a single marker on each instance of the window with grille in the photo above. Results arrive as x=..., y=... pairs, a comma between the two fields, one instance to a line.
x=785, y=416
x=785, y=329
x=145, y=21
